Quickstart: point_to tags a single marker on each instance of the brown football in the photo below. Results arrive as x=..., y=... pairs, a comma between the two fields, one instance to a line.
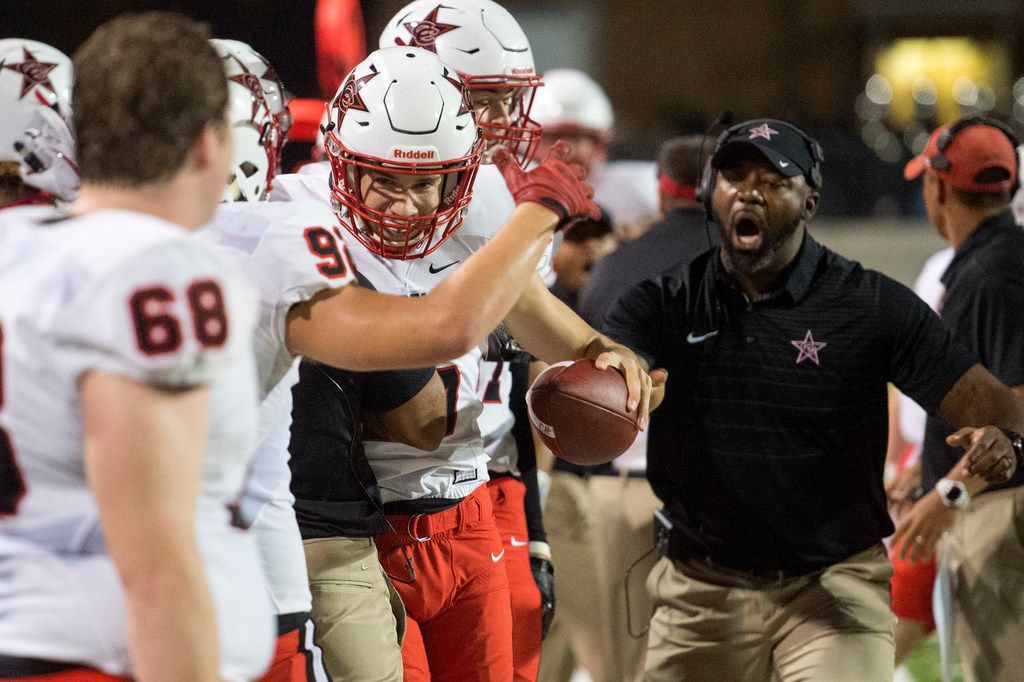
x=580, y=412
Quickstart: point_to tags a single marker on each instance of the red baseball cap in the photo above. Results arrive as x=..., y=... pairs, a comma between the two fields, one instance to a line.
x=973, y=149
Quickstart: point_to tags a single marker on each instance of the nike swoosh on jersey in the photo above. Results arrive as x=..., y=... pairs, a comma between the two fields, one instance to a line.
x=783, y=164
x=434, y=271
x=497, y=557
x=691, y=339
x=517, y=543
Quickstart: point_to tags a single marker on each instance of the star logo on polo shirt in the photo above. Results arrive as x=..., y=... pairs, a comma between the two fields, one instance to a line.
x=808, y=348
x=33, y=72
x=764, y=131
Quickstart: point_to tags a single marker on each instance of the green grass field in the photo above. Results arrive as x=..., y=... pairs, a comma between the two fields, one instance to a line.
x=923, y=664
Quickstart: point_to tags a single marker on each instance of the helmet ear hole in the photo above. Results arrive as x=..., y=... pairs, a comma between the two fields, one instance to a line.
x=248, y=168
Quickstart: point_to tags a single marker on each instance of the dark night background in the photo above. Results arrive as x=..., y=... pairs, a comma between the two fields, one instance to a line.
x=804, y=60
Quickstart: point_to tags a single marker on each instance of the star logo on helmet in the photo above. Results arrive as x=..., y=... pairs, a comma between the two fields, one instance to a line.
x=467, y=105
x=251, y=82
x=762, y=130
x=424, y=33
x=33, y=72
x=349, y=97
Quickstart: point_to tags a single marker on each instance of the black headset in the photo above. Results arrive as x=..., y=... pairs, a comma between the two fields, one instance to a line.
x=707, y=179
x=940, y=161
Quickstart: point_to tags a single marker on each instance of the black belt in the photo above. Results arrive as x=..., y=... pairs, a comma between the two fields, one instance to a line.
x=288, y=622
x=624, y=473
x=680, y=549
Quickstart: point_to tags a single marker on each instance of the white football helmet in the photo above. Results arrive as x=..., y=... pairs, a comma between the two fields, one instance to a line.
x=252, y=127
x=273, y=89
x=35, y=126
x=486, y=46
x=572, y=103
x=404, y=112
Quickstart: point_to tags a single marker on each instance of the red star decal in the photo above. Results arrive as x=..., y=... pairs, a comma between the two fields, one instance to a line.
x=251, y=82
x=424, y=33
x=467, y=106
x=33, y=72
x=349, y=97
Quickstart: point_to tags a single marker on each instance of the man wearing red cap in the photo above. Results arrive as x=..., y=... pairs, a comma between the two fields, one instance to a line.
x=970, y=172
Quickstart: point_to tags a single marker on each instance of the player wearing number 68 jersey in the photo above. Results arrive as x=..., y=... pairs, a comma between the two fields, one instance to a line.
x=128, y=389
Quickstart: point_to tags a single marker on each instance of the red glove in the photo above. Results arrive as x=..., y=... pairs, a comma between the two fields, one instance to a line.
x=553, y=183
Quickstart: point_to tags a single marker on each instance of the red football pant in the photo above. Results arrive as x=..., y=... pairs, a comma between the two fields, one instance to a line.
x=912, y=586
x=459, y=624
x=510, y=516
x=293, y=660
x=72, y=675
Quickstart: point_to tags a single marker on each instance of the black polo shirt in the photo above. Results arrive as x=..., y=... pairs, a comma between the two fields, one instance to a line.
x=335, y=491
x=769, y=447
x=984, y=306
x=673, y=241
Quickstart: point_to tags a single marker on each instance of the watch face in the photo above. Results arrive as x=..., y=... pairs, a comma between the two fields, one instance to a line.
x=954, y=494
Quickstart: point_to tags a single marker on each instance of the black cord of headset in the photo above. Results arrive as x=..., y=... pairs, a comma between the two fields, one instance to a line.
x=724, y=120
x=629, y=603
x=357, y=433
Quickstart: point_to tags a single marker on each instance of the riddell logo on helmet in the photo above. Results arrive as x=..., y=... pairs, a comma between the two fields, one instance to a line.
x=413, y=154
x=518, y=72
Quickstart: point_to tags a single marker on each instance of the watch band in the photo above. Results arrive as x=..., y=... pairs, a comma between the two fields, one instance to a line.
x=953, y=493
x=1017, y=442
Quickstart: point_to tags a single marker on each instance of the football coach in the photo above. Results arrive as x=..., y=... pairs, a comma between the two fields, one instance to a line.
x=768, y=449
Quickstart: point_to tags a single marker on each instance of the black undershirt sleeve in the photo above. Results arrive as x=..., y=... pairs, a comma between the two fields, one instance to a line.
x=388, y=390
x=925, y=360
x=527, y=460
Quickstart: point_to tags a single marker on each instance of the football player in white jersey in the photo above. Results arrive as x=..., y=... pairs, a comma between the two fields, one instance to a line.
x=36, y=140
x=484, y=43
x=290, y=250
x=397, y=192
x=128, y=413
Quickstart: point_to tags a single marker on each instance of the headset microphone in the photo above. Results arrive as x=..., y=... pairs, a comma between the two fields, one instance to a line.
x=704, y=183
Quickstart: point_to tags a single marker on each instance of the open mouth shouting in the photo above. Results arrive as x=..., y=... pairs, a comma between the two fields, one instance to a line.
x=747, y=228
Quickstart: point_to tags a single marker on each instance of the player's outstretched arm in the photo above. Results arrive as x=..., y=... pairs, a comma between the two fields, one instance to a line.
x=360, y=329
x=143, y=456
x=363, y=330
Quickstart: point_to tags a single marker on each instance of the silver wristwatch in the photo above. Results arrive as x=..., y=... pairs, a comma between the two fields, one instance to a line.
x=953, y=493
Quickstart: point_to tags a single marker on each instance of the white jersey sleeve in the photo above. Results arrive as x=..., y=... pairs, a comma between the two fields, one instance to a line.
x=290, y=251
x=166, y=319
x=312, y=182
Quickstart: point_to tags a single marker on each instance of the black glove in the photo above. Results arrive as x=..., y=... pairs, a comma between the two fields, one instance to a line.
x=544, y=576
x=501, y=347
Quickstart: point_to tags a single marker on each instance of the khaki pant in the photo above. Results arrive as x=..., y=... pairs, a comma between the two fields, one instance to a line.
x=358, y=617
x=623, y=528
x=716, y=624
x=575, y=634
x=985, y=552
